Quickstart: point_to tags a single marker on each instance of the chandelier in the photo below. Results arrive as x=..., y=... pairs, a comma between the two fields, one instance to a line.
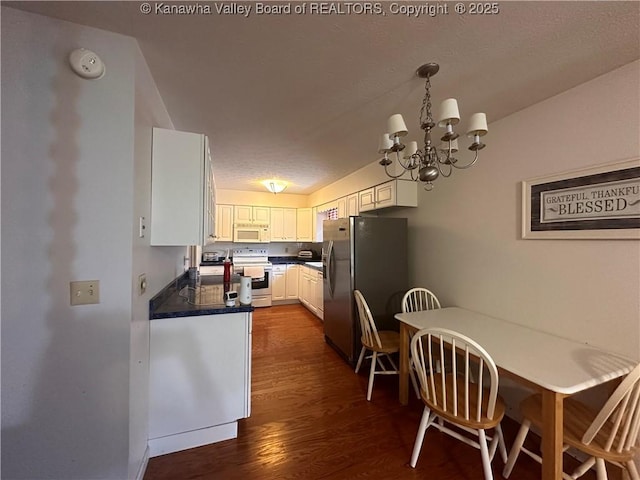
x=429, y=162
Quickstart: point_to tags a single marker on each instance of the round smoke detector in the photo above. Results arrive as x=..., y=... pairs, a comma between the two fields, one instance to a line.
x=86, y=63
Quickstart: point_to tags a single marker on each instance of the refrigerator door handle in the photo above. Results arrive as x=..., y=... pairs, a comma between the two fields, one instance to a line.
x=330, y=276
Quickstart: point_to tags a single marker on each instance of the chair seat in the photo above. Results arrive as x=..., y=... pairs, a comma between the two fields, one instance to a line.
x=447, y=414
x=577, y=418
x=389, y=340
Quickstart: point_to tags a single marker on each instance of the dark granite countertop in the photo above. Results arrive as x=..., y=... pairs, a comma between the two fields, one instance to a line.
x=296, y=260
x=187, y=298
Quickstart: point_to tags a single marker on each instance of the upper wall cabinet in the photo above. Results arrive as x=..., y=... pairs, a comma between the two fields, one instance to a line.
x=224, y=223
x=283, y=225
x=249, y=214
x=182, y=189
x=304, y=225
x=395, y=193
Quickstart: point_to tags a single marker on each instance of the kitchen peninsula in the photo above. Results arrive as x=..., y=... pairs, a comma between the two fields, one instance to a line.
x=200, y=365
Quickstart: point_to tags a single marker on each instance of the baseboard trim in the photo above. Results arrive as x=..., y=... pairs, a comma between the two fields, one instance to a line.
x=143, y=465
x=195, y=438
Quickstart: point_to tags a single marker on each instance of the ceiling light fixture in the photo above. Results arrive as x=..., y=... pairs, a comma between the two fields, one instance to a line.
x=274, y=186
x=430, y=162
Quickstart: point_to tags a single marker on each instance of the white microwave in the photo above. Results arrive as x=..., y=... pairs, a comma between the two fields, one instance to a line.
x=251, y=233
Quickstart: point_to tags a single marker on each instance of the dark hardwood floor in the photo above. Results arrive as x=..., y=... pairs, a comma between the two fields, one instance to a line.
x=310, y=420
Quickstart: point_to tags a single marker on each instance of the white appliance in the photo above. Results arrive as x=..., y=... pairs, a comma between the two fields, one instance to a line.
x=254, y=263
x=251, y=233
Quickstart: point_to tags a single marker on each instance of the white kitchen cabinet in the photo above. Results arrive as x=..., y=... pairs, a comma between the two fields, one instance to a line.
x=278, y=283
x=352, y=205
x=319, y=299
x=251, y=214
x=304, y=225
x=367, y=199
x=292, y=281
x=200, y=380
x=182, y=189
x=395, y=193
x=311, y=294
x=313, y=291
x=224, y=223
x=283, y=225
x=284, y=284
x=342, y=207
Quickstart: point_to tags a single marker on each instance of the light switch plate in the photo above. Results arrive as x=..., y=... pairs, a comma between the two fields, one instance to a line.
x=85, y=292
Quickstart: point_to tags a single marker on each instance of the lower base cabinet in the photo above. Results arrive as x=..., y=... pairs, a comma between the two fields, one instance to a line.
x=200, y=380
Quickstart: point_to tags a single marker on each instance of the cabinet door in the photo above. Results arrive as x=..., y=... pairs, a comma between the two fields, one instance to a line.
x=313, y=294
x=243, y=214
x=385, y=195
x=352, y=205
x=177, y=213
x=304, y=225
x=261, y=215
x=290, y=231
x=209, y=220
x=342, y=207
x=292, y=281
x=277, y=225
x=366, y=200
x=319, y=294
x=279, y=286
x=224, y=223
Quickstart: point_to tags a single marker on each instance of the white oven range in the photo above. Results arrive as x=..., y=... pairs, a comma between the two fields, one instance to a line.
x=254, y=263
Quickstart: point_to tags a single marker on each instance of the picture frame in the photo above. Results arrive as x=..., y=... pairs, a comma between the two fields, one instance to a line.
x=599, y=202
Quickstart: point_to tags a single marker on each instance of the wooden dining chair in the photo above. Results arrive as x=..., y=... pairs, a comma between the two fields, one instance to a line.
x=418, y=299
x=380, y=343
x=452, y=396
x=610, y=435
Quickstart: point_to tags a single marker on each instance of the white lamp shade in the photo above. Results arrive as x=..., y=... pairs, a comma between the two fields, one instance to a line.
x=477, y=125
x=412, y=148
x=449, y=112
x=274, y=186
x=396, y=125
x=385, y=143
x=444, y=146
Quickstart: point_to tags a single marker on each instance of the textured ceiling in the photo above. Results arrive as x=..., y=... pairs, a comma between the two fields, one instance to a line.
x=304, y=97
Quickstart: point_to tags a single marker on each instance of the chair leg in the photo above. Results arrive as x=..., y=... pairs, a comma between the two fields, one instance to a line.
x=633, y=471
x=515, y=448
x=583, y=468
x=412, y=375
x=501, y=444
x=601, y=469
x=372, y=374
x=422, y=429
x=484, y=451
x=359, y=364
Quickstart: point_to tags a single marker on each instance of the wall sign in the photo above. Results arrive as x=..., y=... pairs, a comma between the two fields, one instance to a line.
x=595, y=202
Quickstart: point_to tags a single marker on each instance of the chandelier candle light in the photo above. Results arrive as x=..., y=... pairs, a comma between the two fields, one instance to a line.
x=429, y=162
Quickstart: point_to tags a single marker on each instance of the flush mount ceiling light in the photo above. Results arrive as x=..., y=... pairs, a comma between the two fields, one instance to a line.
x=429, y=162
x=274, y=186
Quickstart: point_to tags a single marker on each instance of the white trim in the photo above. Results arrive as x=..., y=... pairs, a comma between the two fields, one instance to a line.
x=143, y=464
x=195, y=438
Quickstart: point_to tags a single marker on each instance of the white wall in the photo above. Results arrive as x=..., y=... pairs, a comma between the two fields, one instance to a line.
x=75, y=176
x=465, y=235
x=260, y=199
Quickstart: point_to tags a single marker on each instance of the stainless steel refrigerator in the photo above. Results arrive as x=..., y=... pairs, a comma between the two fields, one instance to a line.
x=367, y=254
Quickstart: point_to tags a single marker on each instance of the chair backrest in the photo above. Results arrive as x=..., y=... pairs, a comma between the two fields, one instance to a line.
x=419, y=298
x=621, y=413
x=463, y=363
x=367, y=324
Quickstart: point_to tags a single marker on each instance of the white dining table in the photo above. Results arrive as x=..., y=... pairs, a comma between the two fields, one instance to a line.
x=557, y=367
